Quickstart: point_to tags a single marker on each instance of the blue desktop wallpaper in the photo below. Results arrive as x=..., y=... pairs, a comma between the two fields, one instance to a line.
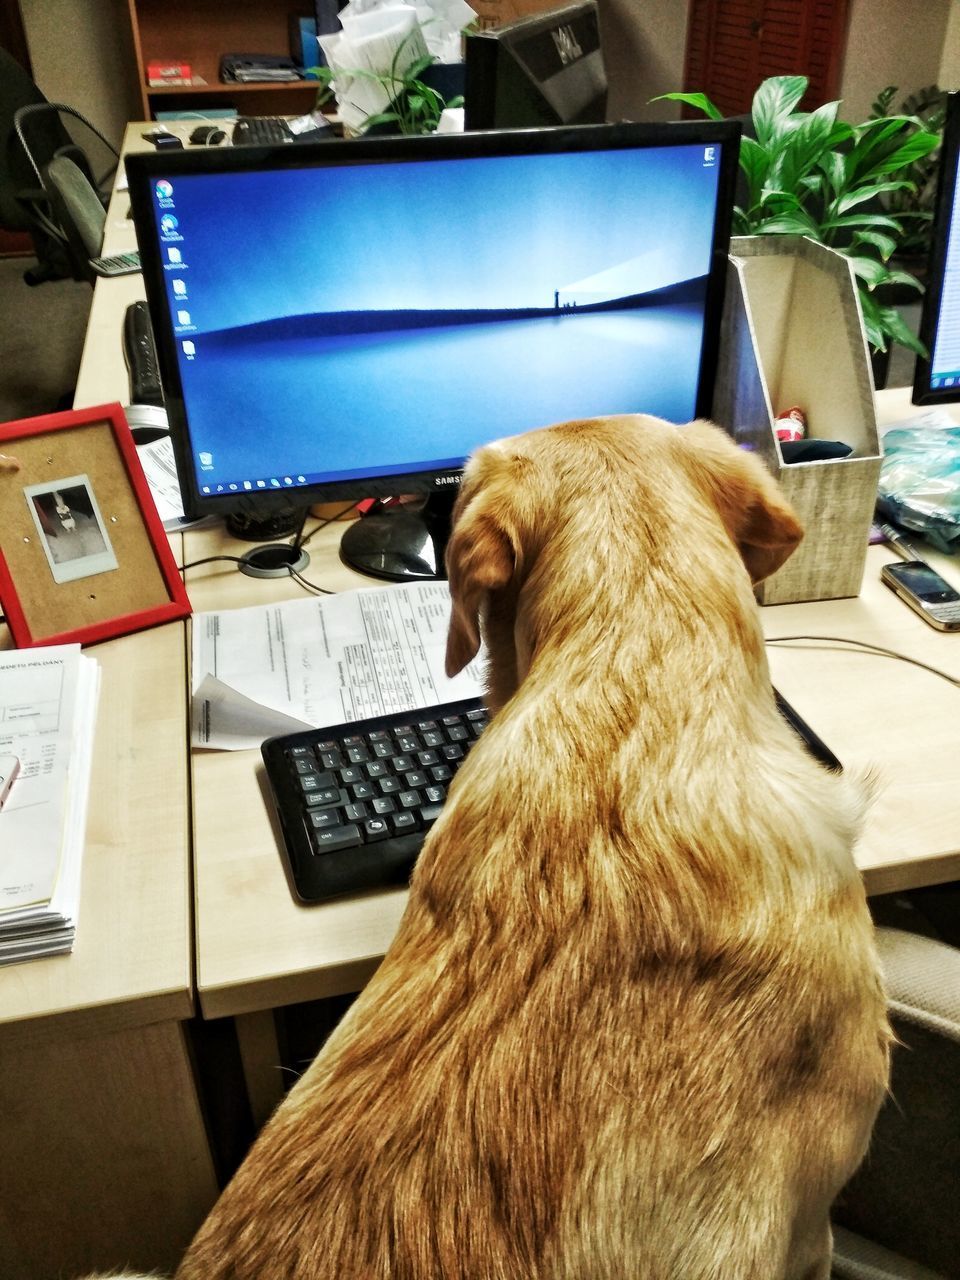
x=346, y=321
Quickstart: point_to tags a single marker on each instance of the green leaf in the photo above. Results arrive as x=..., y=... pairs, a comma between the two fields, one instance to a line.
x=772, y=104
x=755, y=163
x=418, y=67
x=894, y=325
x=870, y=271
x=807, y=144
x=863, y=220
x=789, y=224
x=884, y=244
x=833, y=166
x=382, y=117
x=870, y=192
x=872, y=323
x=904, y=278
x=698, y=100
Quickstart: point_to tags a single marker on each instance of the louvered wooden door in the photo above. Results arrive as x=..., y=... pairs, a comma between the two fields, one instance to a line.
x=732, y=45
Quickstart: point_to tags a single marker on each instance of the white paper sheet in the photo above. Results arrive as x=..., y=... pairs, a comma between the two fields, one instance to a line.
x=47, y=713
x=321, y=662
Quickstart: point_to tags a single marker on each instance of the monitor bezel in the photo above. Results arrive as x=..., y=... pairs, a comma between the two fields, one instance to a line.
x=923, y=392
x=143, y=169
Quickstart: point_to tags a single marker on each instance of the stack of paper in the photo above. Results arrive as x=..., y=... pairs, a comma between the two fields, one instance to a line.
x=48, y=707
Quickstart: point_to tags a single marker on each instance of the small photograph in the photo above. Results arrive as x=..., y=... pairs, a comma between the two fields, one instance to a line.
x=71, y=528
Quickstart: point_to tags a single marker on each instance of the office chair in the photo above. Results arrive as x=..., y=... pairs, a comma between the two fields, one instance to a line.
x=34, y=200
x=897, y=1218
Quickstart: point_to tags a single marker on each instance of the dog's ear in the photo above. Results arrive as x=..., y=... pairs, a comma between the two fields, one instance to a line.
x=760, y=520
x=481, y=557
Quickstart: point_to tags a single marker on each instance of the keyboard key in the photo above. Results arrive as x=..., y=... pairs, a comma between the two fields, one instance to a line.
x=325, y=818
x=331, y=838
x=429, y=813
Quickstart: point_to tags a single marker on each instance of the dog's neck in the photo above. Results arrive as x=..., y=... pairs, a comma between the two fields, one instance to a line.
x=597, y=630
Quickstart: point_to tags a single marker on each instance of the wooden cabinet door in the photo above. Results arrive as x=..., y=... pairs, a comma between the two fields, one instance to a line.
x=732, y=45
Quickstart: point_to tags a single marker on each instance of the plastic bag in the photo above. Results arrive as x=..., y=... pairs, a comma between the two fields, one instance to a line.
x=919, y=485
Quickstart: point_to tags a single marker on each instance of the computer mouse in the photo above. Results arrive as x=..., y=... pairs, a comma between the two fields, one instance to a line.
x=207, y=135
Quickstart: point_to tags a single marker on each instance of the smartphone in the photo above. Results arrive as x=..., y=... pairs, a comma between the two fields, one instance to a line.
x=121, y=264
x=925, y=591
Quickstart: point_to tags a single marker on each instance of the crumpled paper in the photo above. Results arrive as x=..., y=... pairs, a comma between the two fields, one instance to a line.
x=384, y=37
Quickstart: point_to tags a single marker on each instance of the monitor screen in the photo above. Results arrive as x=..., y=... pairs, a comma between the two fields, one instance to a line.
x=937, y=378
x=350, y=319
x=545, y=69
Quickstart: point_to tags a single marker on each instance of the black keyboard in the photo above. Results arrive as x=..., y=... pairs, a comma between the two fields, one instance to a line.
x=267, y=131
x=356, y=802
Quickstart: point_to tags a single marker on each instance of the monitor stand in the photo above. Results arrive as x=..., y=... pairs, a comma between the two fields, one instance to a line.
x=405, y=543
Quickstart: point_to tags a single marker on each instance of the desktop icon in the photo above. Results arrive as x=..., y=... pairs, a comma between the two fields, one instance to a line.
x=275, y=484
x=183, y=317
x=174, y=255
x=168, y=224
x=709, y=155
x=234, y=487
x=180, y=288
x=261, y=484
x=189, y=348
x=287, y=480
x=247, y=484
x=206, y=459
x=206, y=488
x=301, y=479
x=163, y=189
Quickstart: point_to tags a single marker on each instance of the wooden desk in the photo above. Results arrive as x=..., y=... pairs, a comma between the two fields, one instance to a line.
x=104, y=1158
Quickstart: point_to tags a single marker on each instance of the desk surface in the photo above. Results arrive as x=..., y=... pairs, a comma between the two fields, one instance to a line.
x=257, y=948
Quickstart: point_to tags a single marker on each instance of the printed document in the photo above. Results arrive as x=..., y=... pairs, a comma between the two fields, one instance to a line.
x=48, y=702
x=325, y=661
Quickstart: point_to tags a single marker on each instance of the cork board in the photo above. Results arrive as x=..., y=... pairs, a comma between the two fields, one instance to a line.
x=83, y=555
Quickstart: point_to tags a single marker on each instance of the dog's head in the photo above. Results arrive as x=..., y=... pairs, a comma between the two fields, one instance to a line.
x=646, y=483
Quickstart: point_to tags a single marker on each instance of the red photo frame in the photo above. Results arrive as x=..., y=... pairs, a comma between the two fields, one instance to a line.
x=84, y=556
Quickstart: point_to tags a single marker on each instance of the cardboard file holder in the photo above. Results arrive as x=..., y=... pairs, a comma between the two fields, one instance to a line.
x=792, y=334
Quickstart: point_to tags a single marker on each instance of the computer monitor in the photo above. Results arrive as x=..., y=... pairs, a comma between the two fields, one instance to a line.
x=351, y=319
x=546, y=69
x=937, y=375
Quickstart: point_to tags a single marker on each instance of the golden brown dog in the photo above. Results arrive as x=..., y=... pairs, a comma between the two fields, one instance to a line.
x=631, y=1027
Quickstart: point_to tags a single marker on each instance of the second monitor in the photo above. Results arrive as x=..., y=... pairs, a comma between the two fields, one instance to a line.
x=546, y=69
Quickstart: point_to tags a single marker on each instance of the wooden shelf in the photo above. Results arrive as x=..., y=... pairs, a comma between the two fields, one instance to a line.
x=200, y=32
x=221, y=90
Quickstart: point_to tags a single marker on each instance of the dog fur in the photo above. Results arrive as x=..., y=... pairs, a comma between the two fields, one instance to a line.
x=632, y=1025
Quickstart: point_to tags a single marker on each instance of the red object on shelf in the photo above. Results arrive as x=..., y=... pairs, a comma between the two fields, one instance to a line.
x=161, y=73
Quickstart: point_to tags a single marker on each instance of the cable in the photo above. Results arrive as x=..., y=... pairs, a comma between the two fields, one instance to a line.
x=311, y=586
x=209, y=560
x=329, y=520
x=867, y=647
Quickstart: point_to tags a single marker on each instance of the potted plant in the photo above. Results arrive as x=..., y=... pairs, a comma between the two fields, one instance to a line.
x=414, y=103
x=811, y=174
x=915, y=208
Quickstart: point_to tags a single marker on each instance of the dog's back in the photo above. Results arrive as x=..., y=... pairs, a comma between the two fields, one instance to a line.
x=631, y=1025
